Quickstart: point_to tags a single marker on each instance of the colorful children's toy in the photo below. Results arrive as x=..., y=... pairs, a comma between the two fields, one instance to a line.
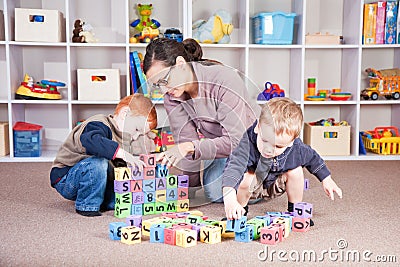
x=174, y=34
x=382, y=140
x=83, y=32
x=147, y=28
x=382, y=82
x=271, y=90
x=216, y=30
x=46, y=89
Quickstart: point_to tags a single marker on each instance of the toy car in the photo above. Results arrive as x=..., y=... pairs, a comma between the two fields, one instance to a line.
x=174, y=34
x=271, y=91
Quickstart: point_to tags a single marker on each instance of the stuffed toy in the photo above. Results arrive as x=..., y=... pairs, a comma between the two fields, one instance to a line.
x=216, y=30
x=83, y=33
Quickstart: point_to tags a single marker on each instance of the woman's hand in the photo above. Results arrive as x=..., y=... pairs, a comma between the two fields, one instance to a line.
x=173, y=155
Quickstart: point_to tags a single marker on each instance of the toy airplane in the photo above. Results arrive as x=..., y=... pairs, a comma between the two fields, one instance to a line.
x=46, y=89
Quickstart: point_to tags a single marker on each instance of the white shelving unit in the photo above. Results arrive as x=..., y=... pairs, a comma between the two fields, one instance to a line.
x=334, y=66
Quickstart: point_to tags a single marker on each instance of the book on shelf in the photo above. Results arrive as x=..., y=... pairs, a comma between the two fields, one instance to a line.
x=142, y=84
x=369, y=29
x=391, y=22
x=380, y=22
x=134, y=79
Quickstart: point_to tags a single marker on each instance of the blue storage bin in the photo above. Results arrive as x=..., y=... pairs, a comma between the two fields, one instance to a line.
x=27, y=139
x=273, y=28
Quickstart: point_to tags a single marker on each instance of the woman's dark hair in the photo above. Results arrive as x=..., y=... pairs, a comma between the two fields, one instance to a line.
x=167, y=50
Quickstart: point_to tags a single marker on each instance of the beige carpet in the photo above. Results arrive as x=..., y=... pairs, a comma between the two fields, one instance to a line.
x=40, y=228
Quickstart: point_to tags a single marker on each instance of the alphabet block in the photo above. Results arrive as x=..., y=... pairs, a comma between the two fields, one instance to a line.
x=266, y=218
x=192, y=219
x=149, y=160
x=148, y=208
x=171, y=206
x=286, y=224
x=281, y=229
x=131, y=235
x=210, y=234
x=197, y=227
x=182, y=225
x=246, y=235
x=186, y=237
x=257, y=225
x=134, y=220
x=306, y=184
x=161, y=183
x=169, y=214
x=225, y=233
x=137, y=209
x=137, y=198
x=289, y=215
x=170, y=236
x=149, y=173
x=196, y=212
x=122, y=174
x=172, y=194
x=122, y=210
x=182, y=205
x=114, y=230
x=136, y=174
x=122, y=186
x=146, y=225
x=161, y=171
x=211, y=222
x=269, y=235
x=300, y=224
x=136, y=185
x=183, y=193
x=149, y=185
x=157, y=233
x=237, y=225
x=303, y=209
x=125, y=198
x=172, y=181
x=149, y=197
x=160, y=207
x=161, y=195
x=183, y=214
x=183, y=181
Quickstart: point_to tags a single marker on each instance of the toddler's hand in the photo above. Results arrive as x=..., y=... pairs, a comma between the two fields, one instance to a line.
x=330, y=187
x=134, y=161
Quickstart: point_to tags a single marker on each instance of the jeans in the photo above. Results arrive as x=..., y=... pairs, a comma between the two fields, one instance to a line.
x=212, y=179
x=86, y=183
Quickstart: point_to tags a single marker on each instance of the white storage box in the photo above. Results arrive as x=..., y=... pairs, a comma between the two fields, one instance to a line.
x=39, y=25
x=98, y=84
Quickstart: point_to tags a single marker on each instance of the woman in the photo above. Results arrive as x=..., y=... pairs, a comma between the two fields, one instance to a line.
x=201, y=97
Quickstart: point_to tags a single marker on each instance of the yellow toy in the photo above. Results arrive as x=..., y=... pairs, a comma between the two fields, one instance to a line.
x=46, y=89
x=216, y=29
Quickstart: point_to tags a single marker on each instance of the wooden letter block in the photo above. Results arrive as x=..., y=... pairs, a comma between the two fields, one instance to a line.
x=182, y=205
x=137, y=198
x=211, y=222
x=269, y=235
x=136, y=174
x=161, y=195
x=161, y=183
x=246, y=235
x=160, y=207
x=169, y=236
x=300, y=224
x=122, y=210
x=257, y=225
x=197, y=227
x=122, y=186
x=131, y=235
x=157, y=233
x=286, y=224
x=192, y=219
x=114, y=230
x=125, y=198
x=172, y=194
x=122, y=173
x=171, y=206
x=210, y=234
x=168, y=214
x=236, y=225
x=183, y=214
x=136, y=185
x=161, y=171
x=182, y=225
x=149, y=185
x=281, y=228
x=186, y=237
x=172, y=181
x=149, y=173
x=148, y=208
x=137, y=209
x=224, y=232
x=149, y=197
x=303, y=209
x=183, y=181
x=149, y=160
x=183, y=193
x=266, y=218
x=134, y=220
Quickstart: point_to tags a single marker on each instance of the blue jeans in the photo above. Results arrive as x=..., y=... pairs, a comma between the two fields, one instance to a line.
x=86, y=183
x=212, y=179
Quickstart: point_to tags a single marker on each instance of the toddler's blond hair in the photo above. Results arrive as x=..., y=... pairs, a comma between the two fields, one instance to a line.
x=284, y=114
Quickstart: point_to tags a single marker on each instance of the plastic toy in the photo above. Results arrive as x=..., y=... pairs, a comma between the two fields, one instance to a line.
x=382, y=140
x=174, y=34
x=271, y=91
x=382, y=82
x=147, y=27
x=83, y=33
x=46, y=89
x=216, y=29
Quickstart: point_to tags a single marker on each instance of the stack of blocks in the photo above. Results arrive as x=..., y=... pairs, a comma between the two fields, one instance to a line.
x=151, y=191
x=185, y=229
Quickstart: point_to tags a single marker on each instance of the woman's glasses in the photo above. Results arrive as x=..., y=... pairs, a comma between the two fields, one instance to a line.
x=163, y=81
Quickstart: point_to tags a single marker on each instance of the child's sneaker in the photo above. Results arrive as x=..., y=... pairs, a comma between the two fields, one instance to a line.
x=88, y=213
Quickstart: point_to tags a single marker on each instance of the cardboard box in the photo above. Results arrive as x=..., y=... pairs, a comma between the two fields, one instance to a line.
x=369, y=30
x=39, y=25
x=328, y=140
x=4, y=139
x=99, y=84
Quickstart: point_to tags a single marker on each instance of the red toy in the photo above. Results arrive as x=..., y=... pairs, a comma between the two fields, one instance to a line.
x=271, y=91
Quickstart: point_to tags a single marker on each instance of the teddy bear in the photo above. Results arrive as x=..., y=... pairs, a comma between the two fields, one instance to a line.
x=216, y=29
x=83, y=33
x=76, y=37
